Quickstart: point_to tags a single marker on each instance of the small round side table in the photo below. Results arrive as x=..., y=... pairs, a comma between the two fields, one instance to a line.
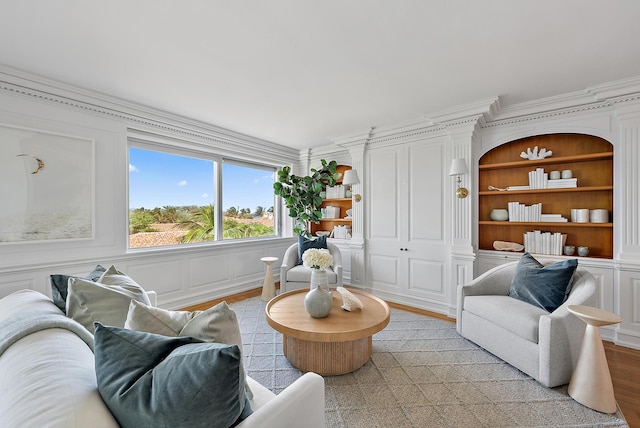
x=269, y=287
x=591, y=380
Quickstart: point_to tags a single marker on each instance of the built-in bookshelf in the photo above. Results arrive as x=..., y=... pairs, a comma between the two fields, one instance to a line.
x=590, y=160
x=341, y=204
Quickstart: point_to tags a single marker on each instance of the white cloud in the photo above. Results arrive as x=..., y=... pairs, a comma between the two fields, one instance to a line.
x=205, y=195
x=182, y=183
x=132, y=168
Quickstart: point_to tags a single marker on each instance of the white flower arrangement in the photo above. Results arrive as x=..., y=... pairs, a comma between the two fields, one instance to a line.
x=317, y=258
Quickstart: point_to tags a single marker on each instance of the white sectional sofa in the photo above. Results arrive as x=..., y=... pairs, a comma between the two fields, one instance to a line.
x=47, y=376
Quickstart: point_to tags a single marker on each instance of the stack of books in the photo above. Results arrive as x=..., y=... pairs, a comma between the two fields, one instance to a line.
x=538, y=179
x=521, y=212
x=335, y=192
x=539, y=242
x=553, y=218
x=341, y=232
x=562, y=183
x=330, y=212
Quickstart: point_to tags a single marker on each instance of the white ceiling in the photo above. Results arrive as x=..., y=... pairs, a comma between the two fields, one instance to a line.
x=299, y=72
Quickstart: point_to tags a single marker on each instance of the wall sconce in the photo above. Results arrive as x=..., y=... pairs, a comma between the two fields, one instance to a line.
x=459, y=167
x=350, y=178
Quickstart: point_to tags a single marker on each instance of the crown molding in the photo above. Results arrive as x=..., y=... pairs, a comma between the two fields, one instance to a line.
x=466, y=112
x=592, y=98
x=136, y=115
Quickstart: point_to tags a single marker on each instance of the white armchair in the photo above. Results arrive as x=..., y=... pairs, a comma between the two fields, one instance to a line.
x=541, y=344
x=294, y=276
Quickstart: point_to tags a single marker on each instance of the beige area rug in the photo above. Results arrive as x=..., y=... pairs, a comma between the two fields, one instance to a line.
x=421, y=374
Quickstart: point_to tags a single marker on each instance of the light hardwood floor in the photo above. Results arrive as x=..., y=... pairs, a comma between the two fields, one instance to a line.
x=624, y=363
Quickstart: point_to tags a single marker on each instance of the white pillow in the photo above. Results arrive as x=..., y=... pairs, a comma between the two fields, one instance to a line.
x=106, y=301
x=217, y=324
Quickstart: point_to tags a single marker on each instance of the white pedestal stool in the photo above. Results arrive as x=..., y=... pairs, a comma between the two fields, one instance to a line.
x=591, y=380
x=269, y=287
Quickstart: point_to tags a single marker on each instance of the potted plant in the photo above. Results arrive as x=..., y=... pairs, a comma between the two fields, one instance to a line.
x=302, y=194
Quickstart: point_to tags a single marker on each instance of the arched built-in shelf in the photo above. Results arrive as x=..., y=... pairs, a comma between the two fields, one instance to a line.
x=589, y=158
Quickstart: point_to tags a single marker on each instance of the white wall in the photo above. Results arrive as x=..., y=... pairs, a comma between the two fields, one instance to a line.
x=181, y=277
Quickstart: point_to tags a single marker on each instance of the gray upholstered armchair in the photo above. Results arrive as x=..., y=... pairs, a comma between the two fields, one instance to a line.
x=543, y=345
x=294, y=276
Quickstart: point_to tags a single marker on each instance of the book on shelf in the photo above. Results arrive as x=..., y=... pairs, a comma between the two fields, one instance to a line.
x=562, y=183
x=538, y=179
x=552, y=218
x=521, y=212
x=539, y=242
x=330, y=212
x=335, y=192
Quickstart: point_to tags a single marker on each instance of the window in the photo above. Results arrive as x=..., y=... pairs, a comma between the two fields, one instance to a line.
x=175, y=195
x=247, y=200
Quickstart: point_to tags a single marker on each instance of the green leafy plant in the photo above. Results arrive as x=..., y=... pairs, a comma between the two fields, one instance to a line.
x=301, y=195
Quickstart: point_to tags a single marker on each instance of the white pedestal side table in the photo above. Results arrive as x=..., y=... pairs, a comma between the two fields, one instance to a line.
x=269, y=287
x=591, y=380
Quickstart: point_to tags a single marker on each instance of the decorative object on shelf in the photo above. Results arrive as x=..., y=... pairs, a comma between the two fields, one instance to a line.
x=599, y=216
x=507, y=246
x=535, y=154
x=341, y=232
x=302, y=194
x=580, y=215
x=583, y=251
x=554, y=175
x=350, y=178
x=349, y=300
x=569, y=250
x=458, y=168
x=567, y=173
x=499, y=214
x=323, y=233
x=348, y=212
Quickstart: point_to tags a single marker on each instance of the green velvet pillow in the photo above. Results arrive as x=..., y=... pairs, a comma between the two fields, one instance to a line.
x=542, y=286
x=149, y=380
x=60, y=284
x=217, y=324
x=305, y=243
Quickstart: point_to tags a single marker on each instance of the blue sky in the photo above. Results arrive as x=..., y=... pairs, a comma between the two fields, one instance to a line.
x=158, y=179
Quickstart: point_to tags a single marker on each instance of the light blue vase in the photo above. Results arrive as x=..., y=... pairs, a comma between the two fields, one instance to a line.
x=318, y=301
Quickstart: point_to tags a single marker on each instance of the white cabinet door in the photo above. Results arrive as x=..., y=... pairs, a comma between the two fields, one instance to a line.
x=407, y=250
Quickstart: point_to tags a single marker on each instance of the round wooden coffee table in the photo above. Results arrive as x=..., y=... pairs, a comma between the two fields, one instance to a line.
x=335, y=345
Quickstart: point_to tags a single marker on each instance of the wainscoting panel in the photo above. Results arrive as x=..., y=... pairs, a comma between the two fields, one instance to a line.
x=426, y=278
x=203, y=273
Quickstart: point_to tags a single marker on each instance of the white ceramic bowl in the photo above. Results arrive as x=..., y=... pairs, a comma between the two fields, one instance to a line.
x=323, y=233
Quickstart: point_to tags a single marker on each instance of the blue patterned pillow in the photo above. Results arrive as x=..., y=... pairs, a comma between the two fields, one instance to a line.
x=305, y=243
x=149, y=380
x=542, y=286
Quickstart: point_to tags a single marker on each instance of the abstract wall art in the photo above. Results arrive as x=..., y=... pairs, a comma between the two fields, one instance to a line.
x=46, y=186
